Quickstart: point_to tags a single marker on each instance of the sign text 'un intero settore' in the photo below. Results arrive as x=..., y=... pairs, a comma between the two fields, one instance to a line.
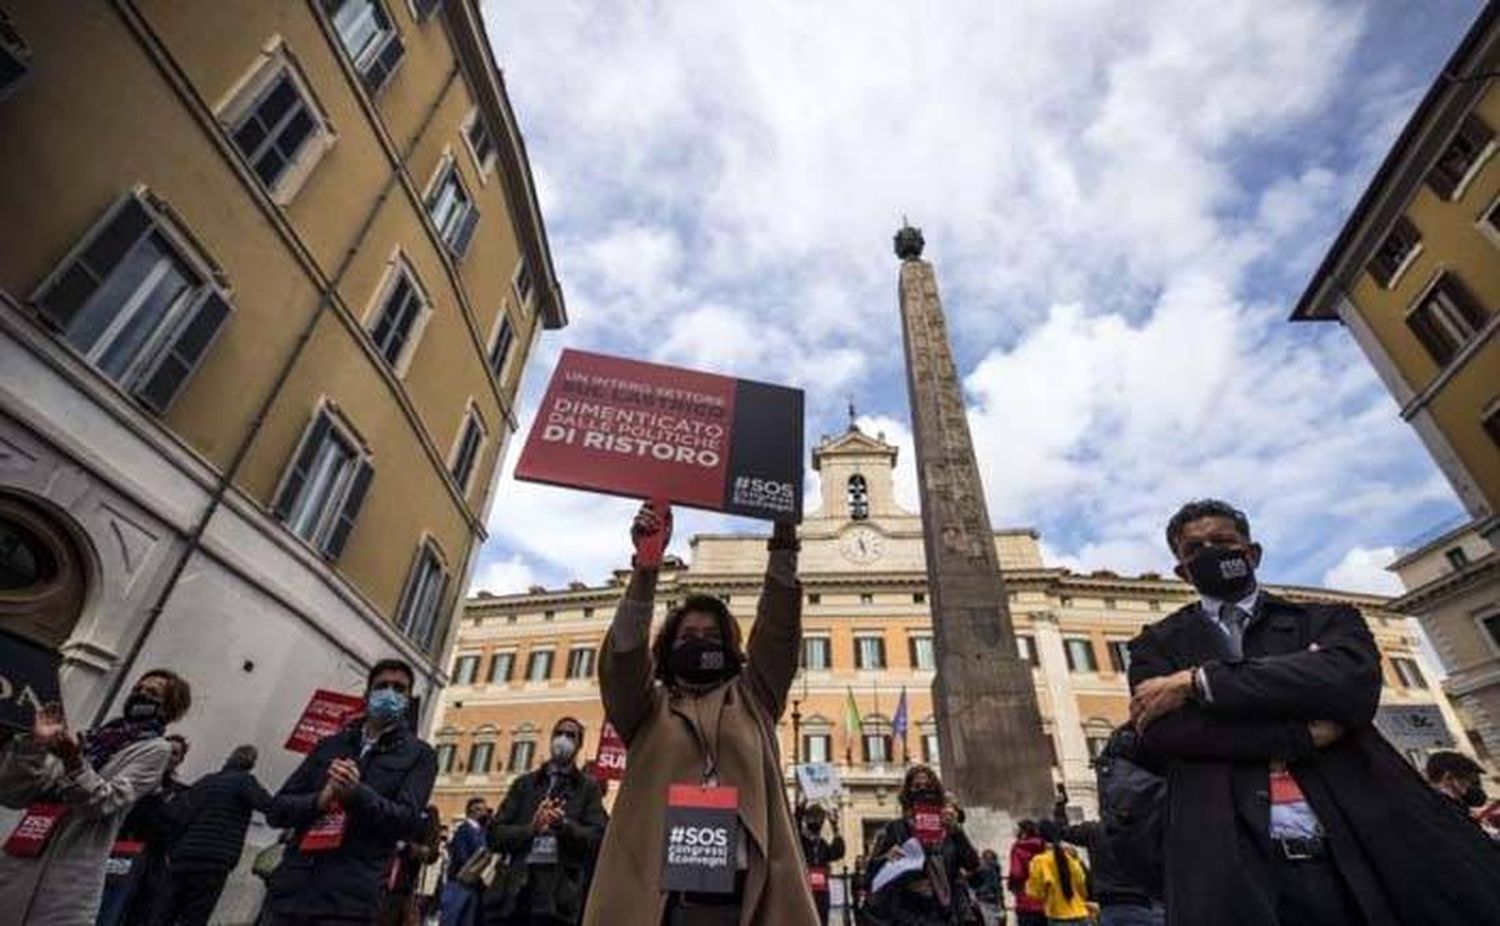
x=644, y=430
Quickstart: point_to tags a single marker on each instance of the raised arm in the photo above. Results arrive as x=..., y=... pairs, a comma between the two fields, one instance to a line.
x=626, y=670
x=776, y=640
x=1337, y=678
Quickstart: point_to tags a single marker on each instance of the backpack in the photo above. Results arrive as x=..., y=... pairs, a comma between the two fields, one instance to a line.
x=1133, y=809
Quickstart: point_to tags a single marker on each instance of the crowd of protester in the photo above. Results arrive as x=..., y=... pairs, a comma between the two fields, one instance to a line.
x=1249, y=787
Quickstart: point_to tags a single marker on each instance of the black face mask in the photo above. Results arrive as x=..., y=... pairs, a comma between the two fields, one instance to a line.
x=924, y=796
x=1474, y=796
x=700, y=662
x=1224, y=573
x=141, y=707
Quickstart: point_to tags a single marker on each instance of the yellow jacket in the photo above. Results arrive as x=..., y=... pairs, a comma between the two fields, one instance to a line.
x=1043, y=884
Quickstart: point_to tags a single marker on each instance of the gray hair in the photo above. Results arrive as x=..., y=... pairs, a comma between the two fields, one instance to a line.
x=243, y=758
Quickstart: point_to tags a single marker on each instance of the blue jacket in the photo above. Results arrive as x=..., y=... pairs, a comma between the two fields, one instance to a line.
x=468, y=838
x=396, y=776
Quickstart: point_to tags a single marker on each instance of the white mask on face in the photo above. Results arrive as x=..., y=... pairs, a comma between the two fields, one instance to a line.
x=563, y=748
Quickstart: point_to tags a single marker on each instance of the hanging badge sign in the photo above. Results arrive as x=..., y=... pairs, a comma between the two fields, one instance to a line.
x=702, y=839
x=817, y=879
x=927, y=823
x=30, y=837
x=326, y=833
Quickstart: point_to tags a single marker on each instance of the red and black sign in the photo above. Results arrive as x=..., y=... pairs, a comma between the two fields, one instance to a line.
x=927, y=823
x=326, y=714
x=644, y=430
x=702, y=839
x=609, y=762
x=30, y=837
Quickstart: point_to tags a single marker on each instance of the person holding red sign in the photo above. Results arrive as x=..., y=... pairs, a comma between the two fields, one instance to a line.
x=76, y=790
x=702, y=832
x=357, y=795
x=933, y=895
x=819, y=853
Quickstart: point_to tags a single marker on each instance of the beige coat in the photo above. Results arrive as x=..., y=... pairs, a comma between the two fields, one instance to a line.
x=658, y=727
x=63, y=886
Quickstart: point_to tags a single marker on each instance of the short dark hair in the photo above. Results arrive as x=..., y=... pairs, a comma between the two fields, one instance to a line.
x=1204, y=508
x=392, y=665
x=178, y=697
x=1027, y=828
x=472, y=802
x=569, y=719
x=729, y=629
x=243, y=758
x=906, y=782
x=1447, y=762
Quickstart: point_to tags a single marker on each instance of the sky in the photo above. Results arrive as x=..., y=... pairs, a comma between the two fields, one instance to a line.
x=1122, y=202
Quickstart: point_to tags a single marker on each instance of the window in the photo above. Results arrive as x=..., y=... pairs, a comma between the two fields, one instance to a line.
x=1491, y=422
x=324, y=487
x=1398, y=248
x=1119, y=655
x=1491, y=624
x=877, y=747
x=1154, y=605
x=817, y=747
x=1110, y=604
x=548, y=615
x=539, y=665
x=815, y=653
x=859, y=498
x=1489, y=221
x=814, y=598
x=465, y=669
x=869, y=652
x=275, y=129
x=1066, y=601
x=920, y=651
x=521, y=752
x=422, y=598
x=481, y=146
x=1446, y=318
x=15, y=56
x=1408, y=672
x=866, y=598
x=445, y=753
x=1096, y=745
x=480, y=756
x=1026, y=649
x=400, y=308
x=1080, y=653
x=581, y=662
x=502, y=665
x=522, y=282
x=452, y=210
x=132, y=299
x=500, y=347
x=588, y=612
x=422, y=9
x=918, y=597
x=930, y=748
x=1457, y=557
x=1458, y=161
x=466, y=452
x=369, y=39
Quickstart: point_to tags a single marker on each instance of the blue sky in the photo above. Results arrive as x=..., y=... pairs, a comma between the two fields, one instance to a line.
x=1122, y=201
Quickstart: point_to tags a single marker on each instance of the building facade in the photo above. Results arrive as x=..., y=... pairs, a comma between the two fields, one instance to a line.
x=1415, y=278
x=271, y=275
x=523, y=661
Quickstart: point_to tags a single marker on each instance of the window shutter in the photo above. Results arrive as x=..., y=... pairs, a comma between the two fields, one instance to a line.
x=349, y=511
x=465, y=231
x=1421, y=324
x=71, y=288
x=380, y=69
x=178, y=361
x=317, y=433
x=911, y=651
x=1468, y=306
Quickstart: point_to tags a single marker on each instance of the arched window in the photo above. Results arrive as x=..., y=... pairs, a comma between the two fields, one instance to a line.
x=859, y=498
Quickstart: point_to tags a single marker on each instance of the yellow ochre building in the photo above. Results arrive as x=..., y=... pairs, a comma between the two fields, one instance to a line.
x=522, y=661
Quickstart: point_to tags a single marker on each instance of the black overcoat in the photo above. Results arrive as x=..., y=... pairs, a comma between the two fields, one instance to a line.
x=1408, y=855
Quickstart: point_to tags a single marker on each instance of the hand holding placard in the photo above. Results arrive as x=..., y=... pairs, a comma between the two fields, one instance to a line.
x=651, y=532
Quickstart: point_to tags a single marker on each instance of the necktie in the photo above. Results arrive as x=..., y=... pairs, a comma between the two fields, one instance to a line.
x=1233, y=618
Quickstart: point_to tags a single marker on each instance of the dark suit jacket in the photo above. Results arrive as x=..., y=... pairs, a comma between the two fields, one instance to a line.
x=1409, y=859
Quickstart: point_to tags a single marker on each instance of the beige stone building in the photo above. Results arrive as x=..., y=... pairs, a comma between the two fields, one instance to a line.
x=1415, y=278
x=271, y=272
x=523, y=661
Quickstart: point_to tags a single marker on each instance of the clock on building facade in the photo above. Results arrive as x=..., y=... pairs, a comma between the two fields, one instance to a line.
x=862, y=544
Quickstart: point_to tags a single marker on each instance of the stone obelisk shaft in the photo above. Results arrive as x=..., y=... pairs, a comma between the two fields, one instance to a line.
x=994, y=752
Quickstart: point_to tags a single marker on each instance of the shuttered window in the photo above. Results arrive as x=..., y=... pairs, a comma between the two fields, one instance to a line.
x=131, y=301
x=501, y=667
x=452, y=210
x=581, y=662
x=1446, y=319
x=480, y=757
x=920, y=651
x=274, y=129
x=521, y=753
x=466, y=455
x=500, y=349
x=480, y=143
x=423, y=596
x=464, y=670
x=369, y=39
x=1448, y=176
x=398, y=315
x=1394, y=251
x=323, y=490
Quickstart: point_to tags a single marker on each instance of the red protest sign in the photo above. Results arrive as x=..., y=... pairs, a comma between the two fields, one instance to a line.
x=326, y=714
x=927, y=823
x=609, y=762
x=644, y=430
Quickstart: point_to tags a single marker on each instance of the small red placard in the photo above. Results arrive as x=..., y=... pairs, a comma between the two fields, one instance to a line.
x=609, y=763
x=927, y=823
x=30, y=837
x=327, y=713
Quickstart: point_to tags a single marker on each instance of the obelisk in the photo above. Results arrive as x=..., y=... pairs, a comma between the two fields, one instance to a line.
x=994, y=753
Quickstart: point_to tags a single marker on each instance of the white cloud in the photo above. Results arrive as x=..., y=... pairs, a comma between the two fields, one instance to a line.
x=503, y=576
x=1363, y=570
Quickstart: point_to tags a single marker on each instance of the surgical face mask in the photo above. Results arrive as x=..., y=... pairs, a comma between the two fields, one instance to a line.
x=563, y=748
x=386, y=704
x=1474, y=795
x=699, y=661
x=142, y=707
x=1224, y=573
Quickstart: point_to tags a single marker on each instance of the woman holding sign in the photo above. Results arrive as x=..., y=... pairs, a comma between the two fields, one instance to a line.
x=701, y=832
x=915, y=875
x=76, y=790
